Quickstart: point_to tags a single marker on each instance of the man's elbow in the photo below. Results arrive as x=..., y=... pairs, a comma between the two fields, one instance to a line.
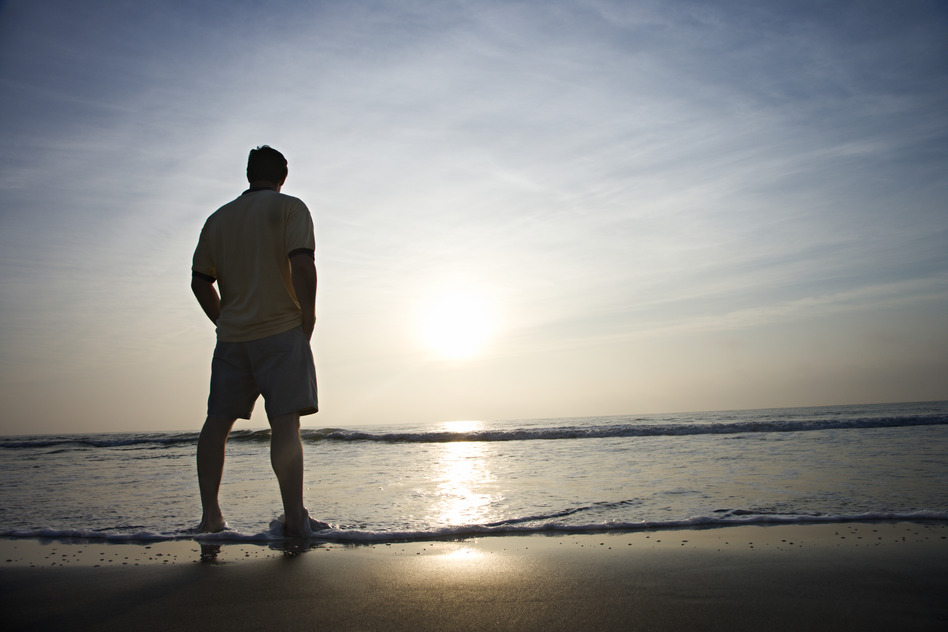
x=303, y=267
x=201, y=287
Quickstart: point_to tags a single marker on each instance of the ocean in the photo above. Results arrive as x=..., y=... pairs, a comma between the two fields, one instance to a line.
x=390, y=483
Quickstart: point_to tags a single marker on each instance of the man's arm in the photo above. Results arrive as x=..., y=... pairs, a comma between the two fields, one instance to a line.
x=303, y=269
x=207, y=296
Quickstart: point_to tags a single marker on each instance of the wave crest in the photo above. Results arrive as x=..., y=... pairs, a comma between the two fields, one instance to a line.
x=592, y=431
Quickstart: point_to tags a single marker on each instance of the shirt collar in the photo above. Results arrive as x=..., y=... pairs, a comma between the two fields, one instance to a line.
x=255, y=189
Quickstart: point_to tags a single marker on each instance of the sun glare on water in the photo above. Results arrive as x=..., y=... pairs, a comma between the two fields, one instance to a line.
x=457, y=324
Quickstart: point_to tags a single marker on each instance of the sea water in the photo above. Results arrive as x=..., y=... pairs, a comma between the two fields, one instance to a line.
x=457, y=479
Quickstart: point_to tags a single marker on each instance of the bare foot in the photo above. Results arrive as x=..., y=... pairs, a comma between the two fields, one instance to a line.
x=317, y=525
x=309, y=526
x=296, y=531
x=211, y=525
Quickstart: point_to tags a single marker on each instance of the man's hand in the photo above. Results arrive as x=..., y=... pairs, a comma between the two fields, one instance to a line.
x=303, y=269
x=207, y=296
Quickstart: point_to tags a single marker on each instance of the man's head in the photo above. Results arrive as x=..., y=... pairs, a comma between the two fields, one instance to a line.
x=266, y=164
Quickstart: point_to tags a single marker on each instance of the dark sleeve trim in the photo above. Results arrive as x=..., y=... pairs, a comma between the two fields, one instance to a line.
x=302, y=251
x=203, y=277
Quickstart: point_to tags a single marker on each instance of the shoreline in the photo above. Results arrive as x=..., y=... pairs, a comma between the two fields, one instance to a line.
x=41, y=551
x=873, y=575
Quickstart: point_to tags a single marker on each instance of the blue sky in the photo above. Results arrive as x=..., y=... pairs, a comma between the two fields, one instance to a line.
x=661, y=206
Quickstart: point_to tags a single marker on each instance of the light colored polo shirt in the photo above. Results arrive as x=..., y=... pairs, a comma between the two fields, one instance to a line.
x=245, y=246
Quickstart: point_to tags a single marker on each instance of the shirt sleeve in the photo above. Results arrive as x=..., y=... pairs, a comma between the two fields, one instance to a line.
x=202, y=265
x=300, y=235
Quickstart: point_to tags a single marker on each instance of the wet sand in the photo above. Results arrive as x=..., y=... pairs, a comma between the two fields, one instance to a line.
x=865, y=576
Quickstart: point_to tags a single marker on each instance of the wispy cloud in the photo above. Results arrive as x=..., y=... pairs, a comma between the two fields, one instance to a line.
x=606, y=170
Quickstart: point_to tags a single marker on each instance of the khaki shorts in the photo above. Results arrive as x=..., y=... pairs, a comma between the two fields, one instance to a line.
x=279, y=367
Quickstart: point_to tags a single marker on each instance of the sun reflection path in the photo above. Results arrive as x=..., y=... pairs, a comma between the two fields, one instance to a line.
x=464, y=480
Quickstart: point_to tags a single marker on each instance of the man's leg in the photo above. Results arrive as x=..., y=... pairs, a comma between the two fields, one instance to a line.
x=286, y=456
x=210, y=467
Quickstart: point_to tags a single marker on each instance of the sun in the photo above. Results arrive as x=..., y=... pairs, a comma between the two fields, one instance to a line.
x=456, y=324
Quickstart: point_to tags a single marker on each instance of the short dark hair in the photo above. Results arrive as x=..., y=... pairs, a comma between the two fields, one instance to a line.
x=266, y=163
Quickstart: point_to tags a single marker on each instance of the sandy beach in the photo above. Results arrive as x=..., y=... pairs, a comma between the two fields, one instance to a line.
x=817, y=577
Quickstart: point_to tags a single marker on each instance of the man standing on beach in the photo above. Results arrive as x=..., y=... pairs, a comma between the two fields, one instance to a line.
x=259, y=249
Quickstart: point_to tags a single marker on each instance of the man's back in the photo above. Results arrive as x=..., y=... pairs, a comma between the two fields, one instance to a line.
x=245, y=245
x=260, y=250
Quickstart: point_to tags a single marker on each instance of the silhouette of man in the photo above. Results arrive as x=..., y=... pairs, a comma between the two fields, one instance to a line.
x=259, y=249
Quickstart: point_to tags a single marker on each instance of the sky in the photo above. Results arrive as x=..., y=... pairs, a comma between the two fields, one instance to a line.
x=523, y=209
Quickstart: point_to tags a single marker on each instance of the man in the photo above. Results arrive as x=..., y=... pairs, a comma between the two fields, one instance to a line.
x=259, y=249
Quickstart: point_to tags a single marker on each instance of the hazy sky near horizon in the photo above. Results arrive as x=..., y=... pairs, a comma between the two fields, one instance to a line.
x=654, y=206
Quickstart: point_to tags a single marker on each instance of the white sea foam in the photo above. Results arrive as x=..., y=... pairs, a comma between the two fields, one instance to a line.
x=274, y=534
